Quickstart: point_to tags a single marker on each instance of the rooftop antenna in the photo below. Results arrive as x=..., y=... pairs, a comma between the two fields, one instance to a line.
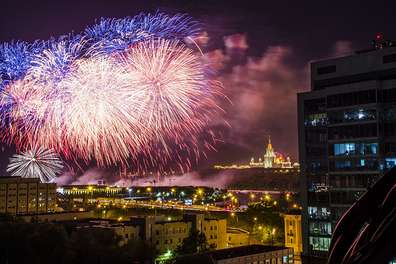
x=380, y=43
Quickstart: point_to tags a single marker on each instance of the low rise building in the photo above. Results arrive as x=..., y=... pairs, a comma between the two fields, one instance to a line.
x=237, y=237
x=126, y=230
x=215, y=231
x=23, y=196
x=167, y=234
x=58, y=216
x=293, y=233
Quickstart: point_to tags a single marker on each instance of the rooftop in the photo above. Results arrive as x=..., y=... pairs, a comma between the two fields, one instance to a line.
x=243, y=251
x=18, y=179
x=293, y=212
x=211, y=257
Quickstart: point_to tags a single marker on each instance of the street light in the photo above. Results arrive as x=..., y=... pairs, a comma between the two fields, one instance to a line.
x=272, y=236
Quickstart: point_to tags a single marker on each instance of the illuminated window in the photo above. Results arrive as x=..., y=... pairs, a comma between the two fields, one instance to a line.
x=319, y=243
x=320, y=228
x=344, y=149
x=316, y=120
x=360, y=115
x=351, y=148
x=318, y=213
x=390, y=162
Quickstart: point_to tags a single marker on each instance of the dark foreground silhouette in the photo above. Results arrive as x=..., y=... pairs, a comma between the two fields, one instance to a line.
x=366, y=233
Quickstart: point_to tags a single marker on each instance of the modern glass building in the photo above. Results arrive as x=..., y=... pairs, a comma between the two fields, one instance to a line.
x=347, y=137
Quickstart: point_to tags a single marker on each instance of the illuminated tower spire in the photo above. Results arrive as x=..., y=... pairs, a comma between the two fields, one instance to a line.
x=269, y=155
x=269, y=146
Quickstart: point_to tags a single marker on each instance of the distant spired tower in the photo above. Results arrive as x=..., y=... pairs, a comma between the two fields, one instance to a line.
x=269, y=155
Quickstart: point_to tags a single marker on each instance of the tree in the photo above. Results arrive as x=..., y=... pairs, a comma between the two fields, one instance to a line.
x=196, y=242
x=42, y=243
x=139, y=251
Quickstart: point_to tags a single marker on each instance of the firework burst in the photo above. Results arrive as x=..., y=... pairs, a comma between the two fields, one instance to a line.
x=127, y=91
x=36, y=163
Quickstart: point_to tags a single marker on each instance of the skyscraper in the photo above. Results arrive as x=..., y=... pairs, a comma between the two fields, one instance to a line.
x=347, y=136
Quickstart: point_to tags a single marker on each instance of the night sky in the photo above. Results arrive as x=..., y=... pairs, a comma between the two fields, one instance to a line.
x=262, y=49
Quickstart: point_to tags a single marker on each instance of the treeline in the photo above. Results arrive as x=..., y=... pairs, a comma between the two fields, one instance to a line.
x=59, y=243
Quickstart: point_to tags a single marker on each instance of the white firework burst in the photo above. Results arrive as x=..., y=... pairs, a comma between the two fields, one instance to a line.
x=36, y=163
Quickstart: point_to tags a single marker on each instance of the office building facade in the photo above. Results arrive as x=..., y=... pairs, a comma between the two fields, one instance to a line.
x=347, y=137
x=24, y=196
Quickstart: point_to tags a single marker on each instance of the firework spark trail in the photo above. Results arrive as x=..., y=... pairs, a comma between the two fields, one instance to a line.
x=174, y=94
x=111, y=35
x=169, y=80
x=96, y=119
x=53, y=63
x=15, y=59
x=36, y=163
x=115, y=97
